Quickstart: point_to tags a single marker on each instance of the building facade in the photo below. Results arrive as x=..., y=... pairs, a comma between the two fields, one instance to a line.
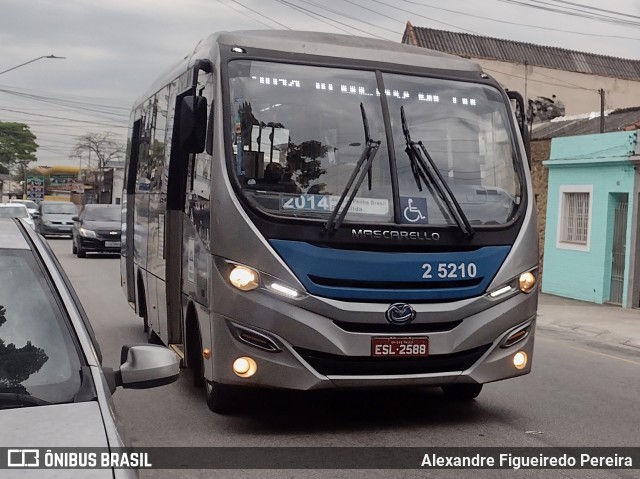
x=591, y=242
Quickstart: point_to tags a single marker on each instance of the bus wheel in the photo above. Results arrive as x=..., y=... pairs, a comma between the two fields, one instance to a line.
x=221, y=398
x=462, y=392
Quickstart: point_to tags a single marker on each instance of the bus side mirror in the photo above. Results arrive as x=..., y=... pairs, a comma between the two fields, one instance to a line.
x=521, y=116
x=193, y=124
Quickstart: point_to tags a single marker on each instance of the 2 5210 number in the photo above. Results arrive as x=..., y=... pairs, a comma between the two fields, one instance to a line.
x=450, y=270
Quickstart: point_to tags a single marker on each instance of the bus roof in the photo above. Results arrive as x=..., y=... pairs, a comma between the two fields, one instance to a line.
x=343, y=46
x=318, y=44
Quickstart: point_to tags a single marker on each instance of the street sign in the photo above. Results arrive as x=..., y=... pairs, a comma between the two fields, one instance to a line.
x=35, y=187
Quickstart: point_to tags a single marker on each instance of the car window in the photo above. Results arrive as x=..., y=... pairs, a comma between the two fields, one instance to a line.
x=106, y=213
x=29, y=204
x=60, y=209
x=37, y=354
x=14, y=211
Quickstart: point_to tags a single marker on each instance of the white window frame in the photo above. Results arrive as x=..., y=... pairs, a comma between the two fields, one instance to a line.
x=565, y=189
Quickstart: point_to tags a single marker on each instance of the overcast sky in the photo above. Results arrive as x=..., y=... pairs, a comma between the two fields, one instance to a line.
x=114, y=49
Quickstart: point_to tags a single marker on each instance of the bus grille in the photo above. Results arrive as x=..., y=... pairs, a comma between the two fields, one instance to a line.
x=338, y=365
x=386, y=328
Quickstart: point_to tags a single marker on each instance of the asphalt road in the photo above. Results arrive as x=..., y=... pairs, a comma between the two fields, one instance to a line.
x=577, y=395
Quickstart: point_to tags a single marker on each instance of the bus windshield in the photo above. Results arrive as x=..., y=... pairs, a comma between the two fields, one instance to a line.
x=298, y=134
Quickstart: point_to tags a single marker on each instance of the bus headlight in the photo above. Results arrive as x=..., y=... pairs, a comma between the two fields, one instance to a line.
x=527, y=281
x=243, y=278
x=246, y=278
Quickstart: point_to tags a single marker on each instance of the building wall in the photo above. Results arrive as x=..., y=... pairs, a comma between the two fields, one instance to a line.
x=540, y=151
x=602, y=163
x=118, y=185
x=577, y=91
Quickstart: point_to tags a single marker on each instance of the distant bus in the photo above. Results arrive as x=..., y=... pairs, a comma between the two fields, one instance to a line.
x=305, y=210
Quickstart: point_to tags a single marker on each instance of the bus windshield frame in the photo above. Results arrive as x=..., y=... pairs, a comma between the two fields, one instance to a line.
x=296, y=134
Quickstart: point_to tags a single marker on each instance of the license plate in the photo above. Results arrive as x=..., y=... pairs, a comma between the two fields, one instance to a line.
x=112, y=244
x=400, y=347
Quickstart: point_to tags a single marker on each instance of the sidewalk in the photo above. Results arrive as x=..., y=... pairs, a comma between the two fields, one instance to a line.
x=601, y=323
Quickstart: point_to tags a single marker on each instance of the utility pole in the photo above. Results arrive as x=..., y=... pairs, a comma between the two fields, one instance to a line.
x=601, y=92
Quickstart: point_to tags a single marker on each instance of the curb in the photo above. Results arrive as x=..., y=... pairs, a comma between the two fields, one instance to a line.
x=590, y=334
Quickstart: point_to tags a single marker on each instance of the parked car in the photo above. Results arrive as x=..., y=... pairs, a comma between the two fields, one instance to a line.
x=31, y=205
x=16, y=210
x=97, y=229
x=54, y=391
x=55, y=218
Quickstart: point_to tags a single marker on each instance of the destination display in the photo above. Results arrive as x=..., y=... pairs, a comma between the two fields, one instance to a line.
x=326, y=203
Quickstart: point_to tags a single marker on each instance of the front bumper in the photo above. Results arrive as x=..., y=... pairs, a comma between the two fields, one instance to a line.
x=96, y=245
x=52, y=229
x=316, y=353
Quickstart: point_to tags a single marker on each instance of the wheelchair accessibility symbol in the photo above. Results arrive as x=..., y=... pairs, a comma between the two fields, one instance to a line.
x=414, y=210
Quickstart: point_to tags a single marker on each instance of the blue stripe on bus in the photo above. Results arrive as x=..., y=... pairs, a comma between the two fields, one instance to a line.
x=379, y=276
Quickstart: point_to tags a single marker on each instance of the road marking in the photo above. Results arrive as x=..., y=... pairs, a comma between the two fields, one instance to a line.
x=594, y=352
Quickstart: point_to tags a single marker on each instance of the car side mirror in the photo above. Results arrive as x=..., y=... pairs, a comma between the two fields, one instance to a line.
x=35, y=215
x=75, y=218
x=144, y=366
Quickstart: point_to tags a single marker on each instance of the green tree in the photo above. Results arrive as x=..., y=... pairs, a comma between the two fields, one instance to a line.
x=101, y=146
x=17, y=145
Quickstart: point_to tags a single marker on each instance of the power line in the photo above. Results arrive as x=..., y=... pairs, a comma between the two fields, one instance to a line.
x=580, y=14
x=520, y=24
x=395, y=7
x=69, y=119
x=598, y=9
x=369, y=9
x=319, y=17
x=348, y=16
x=261, y=14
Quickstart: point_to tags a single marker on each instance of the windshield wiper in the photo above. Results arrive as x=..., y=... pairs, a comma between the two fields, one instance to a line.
x=366, y=159
x=13, y=400
x=429, y=173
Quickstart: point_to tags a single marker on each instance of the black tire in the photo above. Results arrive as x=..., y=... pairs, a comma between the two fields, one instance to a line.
x=462, y=392
x=221, y=398
x=196, y=363
x=80, y=252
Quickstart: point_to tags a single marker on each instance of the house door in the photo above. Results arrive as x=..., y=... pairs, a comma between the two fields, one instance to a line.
x=619, y=250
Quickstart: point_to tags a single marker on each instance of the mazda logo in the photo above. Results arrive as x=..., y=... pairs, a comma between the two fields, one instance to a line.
x=400, y=313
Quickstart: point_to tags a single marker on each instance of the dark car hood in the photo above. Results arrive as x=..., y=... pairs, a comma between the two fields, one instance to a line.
x=58, y=217
x=102, y=225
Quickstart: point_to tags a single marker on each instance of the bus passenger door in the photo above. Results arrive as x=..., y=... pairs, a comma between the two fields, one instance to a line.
x=128, y=216
x=186, y=227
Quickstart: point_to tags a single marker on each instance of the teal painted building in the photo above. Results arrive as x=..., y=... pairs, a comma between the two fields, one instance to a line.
x=591, y=250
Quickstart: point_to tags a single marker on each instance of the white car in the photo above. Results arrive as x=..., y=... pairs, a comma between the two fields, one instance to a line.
x=32, y=206
x=54, y=390
x=16, y=210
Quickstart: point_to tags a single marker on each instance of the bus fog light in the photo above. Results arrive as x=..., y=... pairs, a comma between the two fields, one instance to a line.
x=243, y=278
x=527, y=281
x=520, y=360
x=244, y=367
